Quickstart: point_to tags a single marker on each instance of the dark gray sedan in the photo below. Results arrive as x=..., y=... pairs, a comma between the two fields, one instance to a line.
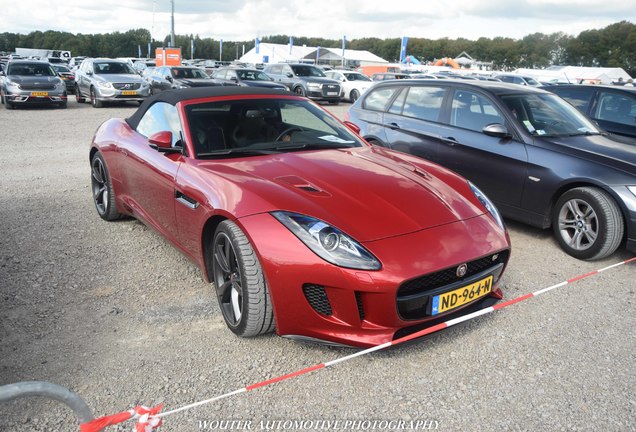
x=28, y=82
x=538, y=158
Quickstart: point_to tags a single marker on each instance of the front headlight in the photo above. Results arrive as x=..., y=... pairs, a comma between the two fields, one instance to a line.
x=183, y=86
x=632, y=189
x=315, y=86
x=328, y=242
x=11, y=84
x=104, y=84
x=60, y=85
x=485, y=201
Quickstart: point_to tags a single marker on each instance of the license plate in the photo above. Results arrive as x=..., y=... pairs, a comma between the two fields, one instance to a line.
x=456, y=298
x=39, y=94
x=128, y=92
x=332, y=93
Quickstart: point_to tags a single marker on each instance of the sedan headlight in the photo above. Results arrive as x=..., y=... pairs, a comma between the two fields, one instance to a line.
x=328, y=242
x=314, y=86
x=485, y=201
x=104, y=84
x=632, y=189
x=11, y=84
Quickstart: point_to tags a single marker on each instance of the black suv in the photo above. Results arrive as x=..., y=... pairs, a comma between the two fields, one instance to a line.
x=305, y=80
x=613, y=107
x=538, y=158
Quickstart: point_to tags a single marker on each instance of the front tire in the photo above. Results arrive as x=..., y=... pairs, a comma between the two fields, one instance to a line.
x=240, y=283
x=300, y=91
x=94, y=101
x=102, y=188
x=587, y=223
x=353, y=97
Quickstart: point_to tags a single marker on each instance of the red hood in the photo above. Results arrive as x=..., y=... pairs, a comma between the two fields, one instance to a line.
x=369, y=193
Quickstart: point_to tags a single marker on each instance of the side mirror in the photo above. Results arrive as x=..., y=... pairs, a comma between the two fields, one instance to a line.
x=2, y=73
x=162, y=141
x=496, y=130
x=289, y=75
x=353, y=127
x=235, y=79
x=168, y=78
x=89, y=73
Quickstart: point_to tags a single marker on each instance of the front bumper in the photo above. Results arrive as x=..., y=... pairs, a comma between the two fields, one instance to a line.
x=35, y=97
x=114, y=95
x=316, y=300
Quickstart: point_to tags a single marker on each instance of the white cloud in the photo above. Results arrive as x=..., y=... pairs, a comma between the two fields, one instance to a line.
x=245, y=19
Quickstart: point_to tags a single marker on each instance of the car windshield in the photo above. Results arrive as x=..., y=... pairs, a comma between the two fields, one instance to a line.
x=103, y=68
x=61, y=68
x=548, y=115
x=307, y=71
x=189, y=73
x=31, y=69
x=252, y=75
x=239, y=128
x=357, y=77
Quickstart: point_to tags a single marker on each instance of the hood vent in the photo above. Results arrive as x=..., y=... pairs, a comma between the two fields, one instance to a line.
x=302, y=184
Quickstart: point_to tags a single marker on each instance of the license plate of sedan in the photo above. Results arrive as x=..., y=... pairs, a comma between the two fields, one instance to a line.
x=128, y=92
x=39, y=94
x=461, y=296
x=332, y=93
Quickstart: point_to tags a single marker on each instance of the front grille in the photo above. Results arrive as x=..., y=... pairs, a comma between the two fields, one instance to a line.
x=444, y=277
x=37, y=86
x=317, y=298
x=330, y=88
x=414, y=297
x=126, y=86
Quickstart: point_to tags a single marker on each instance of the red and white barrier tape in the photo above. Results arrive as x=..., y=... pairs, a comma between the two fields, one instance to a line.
x=152, y=418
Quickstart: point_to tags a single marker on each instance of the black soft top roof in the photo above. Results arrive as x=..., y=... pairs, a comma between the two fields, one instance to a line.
x=173, y=97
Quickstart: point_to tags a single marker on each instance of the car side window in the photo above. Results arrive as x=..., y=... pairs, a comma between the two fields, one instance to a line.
x=617, y=108
x=378, y=99
x=473, y=111
x=161, y=117
x=424, y=103
x=580, y=98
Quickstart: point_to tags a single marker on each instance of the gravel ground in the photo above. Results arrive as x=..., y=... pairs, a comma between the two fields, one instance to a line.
x=113, y=312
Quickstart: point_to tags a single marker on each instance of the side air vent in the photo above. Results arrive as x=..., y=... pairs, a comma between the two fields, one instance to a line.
x=360, y=306
x=317, y=298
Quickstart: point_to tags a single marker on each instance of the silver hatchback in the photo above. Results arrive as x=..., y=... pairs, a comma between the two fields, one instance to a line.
x=108, y=80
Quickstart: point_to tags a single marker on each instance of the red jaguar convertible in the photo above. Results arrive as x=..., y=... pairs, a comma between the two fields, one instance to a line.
x=300, y=224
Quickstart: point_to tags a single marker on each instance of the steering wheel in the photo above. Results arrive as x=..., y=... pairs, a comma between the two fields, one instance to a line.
x=287, y=131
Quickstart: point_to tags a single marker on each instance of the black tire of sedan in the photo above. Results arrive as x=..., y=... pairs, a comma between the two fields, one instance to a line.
x=355, y=94
x=78, y=95
x=102, y=188
x=94, y=101
x=587, y=223
x=240, y=283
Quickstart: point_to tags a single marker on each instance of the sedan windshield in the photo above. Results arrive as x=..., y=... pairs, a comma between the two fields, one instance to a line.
x=240, y=128
x=252, y=75
x=30, y=69
x=548, y=115
x=357, y=77
x=189, y=73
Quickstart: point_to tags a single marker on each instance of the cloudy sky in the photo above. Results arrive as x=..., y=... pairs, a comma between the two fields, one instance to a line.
x=246, y=19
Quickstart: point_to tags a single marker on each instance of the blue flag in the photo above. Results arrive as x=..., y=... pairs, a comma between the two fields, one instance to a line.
x=257, y=45
x=405, y=40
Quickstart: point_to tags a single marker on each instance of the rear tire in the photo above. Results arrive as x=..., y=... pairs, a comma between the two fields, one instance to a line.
x=587, y=223
x=353, y=97
x=240, y=283
x=78, y=95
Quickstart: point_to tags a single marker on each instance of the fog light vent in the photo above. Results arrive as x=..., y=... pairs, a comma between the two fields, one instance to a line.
x=317, y=298
x=360, y=307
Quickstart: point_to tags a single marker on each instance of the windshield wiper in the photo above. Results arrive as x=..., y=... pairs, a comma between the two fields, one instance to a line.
x=237, y=152
x=313, y=146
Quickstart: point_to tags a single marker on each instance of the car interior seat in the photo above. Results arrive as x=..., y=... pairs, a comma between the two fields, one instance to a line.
x=252, y=127
x=207, y=136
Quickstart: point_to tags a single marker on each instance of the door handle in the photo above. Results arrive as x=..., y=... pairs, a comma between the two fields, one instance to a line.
x=186, y=200
x=451, y=141
x=393, y=126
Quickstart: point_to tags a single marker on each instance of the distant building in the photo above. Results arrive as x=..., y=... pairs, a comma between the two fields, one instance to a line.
x=577, y=74
x=276, y=53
